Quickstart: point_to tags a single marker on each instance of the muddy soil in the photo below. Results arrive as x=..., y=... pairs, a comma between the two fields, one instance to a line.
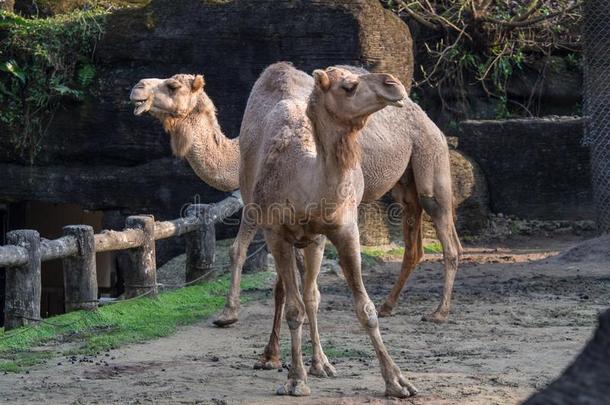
x=519, y=317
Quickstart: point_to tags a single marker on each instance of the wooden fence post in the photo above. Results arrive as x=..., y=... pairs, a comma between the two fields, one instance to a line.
x=80, y=277
x=142, y=277
x=200, y=244
x=23, y=285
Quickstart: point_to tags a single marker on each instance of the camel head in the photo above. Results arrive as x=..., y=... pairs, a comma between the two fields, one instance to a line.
x=175, y=102
x=352, y=97
x=175, y=97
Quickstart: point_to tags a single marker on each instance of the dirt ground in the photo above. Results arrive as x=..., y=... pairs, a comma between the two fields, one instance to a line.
x=519, y=317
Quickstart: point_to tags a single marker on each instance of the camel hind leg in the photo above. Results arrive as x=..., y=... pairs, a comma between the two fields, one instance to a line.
x=405, y=194
x=270, y=359
x=445, y=230
x=433, y=180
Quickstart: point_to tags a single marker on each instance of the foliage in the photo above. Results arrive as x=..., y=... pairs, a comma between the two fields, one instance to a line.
x=44, y=62
x=113, y=325
x=486, y=42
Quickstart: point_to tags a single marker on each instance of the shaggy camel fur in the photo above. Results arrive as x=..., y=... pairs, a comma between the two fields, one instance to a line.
x=300, y=177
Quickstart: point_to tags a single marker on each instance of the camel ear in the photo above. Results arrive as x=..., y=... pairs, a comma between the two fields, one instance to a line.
x=322, y=79
x=198, y=83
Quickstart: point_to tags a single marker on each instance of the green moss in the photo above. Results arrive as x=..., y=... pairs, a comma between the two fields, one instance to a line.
x=114, y=325
x=45, y=61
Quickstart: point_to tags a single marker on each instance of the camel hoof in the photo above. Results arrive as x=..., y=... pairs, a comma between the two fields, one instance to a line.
x=265, y=363
x=296, y=388
x=436, y=317
x=384, y=311
x=400, y=388
x=226, y=317
x=322, y=369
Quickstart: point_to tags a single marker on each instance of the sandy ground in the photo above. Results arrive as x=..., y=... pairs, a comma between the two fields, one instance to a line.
x=518, y=319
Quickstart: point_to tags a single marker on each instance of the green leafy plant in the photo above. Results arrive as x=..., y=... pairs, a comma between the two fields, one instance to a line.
x=43, y=63
x=485, y=42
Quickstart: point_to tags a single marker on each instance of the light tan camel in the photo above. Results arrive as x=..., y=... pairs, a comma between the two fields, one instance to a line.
x=300, y=177
x=189, y=116
x=388, y=141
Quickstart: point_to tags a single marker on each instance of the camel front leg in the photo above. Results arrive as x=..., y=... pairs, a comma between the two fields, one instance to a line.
x=348, y=247
x=285, y=263
x=239, y=250
x=320, y=366
x=406, y=195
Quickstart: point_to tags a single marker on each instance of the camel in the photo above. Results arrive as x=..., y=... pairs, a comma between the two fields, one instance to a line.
x=300, y=178
x=189, y=116
x=403, y=151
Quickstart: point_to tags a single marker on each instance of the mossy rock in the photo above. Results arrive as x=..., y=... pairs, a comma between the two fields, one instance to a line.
x=46, y=8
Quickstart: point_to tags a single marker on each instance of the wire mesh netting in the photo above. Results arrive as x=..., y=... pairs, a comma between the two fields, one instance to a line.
x=596, y=42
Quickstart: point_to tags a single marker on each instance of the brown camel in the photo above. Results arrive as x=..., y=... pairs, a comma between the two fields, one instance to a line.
x=403, y=151
x=300, y=178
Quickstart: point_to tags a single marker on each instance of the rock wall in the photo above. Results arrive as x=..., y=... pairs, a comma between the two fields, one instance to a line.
x=97, y=154
x=535, y=168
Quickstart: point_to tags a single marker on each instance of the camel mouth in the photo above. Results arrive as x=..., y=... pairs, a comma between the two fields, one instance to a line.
x=141, y=106
x=397, y=103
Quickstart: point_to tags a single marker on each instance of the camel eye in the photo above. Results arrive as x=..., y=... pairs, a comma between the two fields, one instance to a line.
x=173, y=85
x=349, y=87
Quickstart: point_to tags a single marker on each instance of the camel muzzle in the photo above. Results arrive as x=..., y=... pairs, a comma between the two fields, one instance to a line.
x=142, y=106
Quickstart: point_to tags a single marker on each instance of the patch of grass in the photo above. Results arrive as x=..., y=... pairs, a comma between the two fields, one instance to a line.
x=373, y=251
x=433, y=247
x=334, y=352
x=397, y=252
x=117, y=324
x=372, y=255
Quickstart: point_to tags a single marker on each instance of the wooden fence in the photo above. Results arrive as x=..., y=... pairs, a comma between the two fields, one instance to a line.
x=25, y=250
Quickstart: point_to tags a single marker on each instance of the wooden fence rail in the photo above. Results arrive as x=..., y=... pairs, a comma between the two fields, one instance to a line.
x=25, y=250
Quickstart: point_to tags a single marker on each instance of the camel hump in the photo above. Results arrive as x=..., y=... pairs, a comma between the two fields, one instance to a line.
x=353, y=69
x=283, y=80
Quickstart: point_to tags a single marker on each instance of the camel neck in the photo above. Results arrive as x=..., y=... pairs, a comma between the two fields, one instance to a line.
x=338, y=151
x=213, y=156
